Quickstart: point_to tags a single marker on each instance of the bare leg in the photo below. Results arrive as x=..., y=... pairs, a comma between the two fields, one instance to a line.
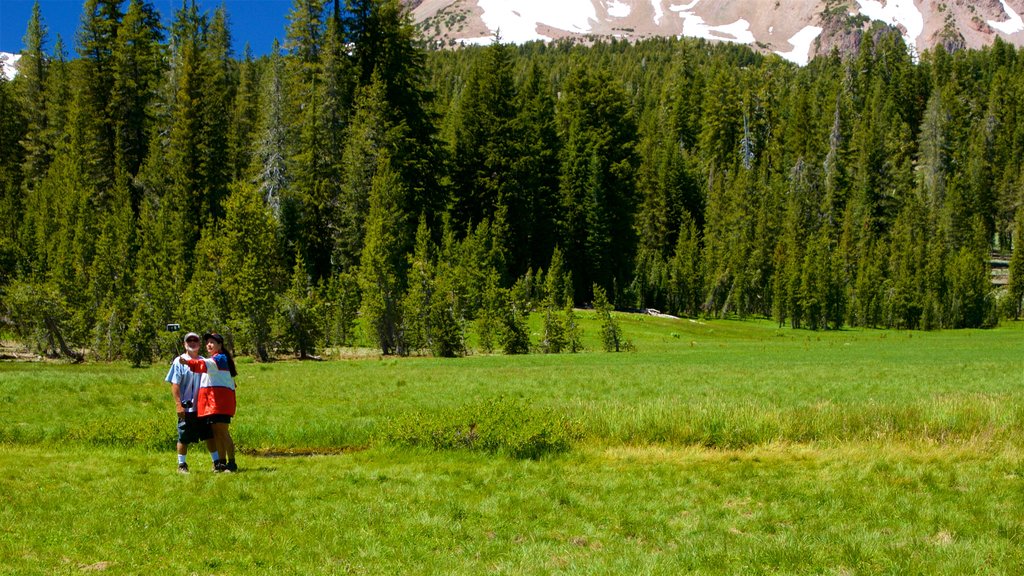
x=230, y=443
x=219, y=438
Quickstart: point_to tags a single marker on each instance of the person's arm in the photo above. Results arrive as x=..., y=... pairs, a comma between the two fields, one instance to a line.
x=198, y=365
x=176, y=392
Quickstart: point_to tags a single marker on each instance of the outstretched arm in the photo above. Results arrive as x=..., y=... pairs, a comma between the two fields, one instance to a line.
x=198, y=365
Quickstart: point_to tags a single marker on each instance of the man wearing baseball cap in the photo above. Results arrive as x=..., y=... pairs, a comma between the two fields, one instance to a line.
x=185, y=388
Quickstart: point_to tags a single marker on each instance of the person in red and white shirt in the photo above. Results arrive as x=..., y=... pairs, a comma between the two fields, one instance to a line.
x=216, y=397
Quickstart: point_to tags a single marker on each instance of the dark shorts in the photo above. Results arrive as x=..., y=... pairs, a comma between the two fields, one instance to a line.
x=218, y=419
x=192, y=429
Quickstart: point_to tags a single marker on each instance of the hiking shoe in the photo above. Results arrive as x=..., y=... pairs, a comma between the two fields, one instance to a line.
x=231, y=467
x=183, y=468
x=219, y=467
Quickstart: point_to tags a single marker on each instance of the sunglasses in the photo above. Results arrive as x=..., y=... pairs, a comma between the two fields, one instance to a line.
x=192, y=340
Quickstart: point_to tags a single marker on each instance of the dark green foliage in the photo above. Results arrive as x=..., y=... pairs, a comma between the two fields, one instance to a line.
x=157, y=178
x=571, y=330
x=513, y=331
x=341, y=308
x=598, y=192
x=300, y=310
x=612, y=339
x=382, y=273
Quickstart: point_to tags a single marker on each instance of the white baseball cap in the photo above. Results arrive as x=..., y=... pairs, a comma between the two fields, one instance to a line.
x=190, y=335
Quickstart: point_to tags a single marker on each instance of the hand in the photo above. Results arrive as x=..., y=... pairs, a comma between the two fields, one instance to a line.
x=181, y=360
x=181, y=409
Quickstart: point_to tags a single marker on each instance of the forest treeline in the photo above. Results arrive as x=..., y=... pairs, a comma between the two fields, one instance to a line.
x=150, y=175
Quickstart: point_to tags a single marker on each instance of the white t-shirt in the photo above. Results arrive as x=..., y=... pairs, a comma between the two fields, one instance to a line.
x=187, y=381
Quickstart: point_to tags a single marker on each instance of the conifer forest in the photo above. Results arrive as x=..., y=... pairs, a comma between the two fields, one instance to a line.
x=357, y=184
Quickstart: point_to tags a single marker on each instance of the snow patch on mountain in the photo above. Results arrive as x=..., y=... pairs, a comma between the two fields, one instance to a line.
x=519, y=23
x=901, y=13
x=694, y=26
x=801, y=42
x=1013, y=25
x=619, y=9
x=658, y=12
x=9, y=63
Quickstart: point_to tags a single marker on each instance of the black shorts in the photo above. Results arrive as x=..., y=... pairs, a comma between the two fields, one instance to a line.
x=192, y=429
x=218, y=419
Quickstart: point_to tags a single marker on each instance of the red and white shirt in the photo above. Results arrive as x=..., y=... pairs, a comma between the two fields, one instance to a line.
x=216, y=388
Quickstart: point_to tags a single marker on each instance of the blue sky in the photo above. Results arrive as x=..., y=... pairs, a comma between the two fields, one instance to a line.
x=257, y=22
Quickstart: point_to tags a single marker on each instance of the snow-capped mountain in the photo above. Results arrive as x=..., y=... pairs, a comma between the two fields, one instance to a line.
x=8, y=63
x=794, y=29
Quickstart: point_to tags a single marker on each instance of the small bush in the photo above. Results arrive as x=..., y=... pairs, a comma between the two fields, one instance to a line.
x=498, y=425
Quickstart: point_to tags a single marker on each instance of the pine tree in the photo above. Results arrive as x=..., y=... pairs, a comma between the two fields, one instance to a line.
x=1016, y=285
x=385, y=47
x=419, y=301
x=250, y=268
x=598, y=190
x=489, y=310
x=271, y=171
x=369, y=136
x=93, y=132
x=12, y=201
x=31, y=91
x=110, y=279
x=136, y=69
x=536, y=167
x=484, y=143
x=514, y=333
x=341, y=309
x=684, y=279
x=611, y=332
x=217, y=102
x=244, y=118
x=299, y=310
x=382, y=272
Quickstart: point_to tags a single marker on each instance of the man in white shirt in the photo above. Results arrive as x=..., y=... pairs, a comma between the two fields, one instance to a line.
x=184, y=388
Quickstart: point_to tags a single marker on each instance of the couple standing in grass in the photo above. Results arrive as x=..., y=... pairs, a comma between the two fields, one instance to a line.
x=204, y=397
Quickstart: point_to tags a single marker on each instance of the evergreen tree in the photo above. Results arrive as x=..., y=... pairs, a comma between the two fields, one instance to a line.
x=489, y=310
x=598, y=190
x=92, y=128
x=341, y=309
x=1016, y=286
x=684, y=278
x=299, y=310
x=250, y=268
x=419, y=303
x=611, y=332
x=385, y=47
x=271, y=172
x=514, y=333
x=369, y=137
x=136, y=69
x=536, y=166
x=31, y=91
x=12, y=199
x=382, y=272
x=245, y=118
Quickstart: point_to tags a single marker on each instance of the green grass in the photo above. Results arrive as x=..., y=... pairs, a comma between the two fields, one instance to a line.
x=856, y=509
x=716, y=448
x=718, y=384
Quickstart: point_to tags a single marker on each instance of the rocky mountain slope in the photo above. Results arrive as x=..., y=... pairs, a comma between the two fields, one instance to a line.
x=795, y=29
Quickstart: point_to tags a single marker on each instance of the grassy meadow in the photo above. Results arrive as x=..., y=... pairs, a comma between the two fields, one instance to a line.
x=716, y=447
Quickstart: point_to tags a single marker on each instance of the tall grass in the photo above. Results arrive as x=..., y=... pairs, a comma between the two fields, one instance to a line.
x=714, y=384
x=857, y=509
